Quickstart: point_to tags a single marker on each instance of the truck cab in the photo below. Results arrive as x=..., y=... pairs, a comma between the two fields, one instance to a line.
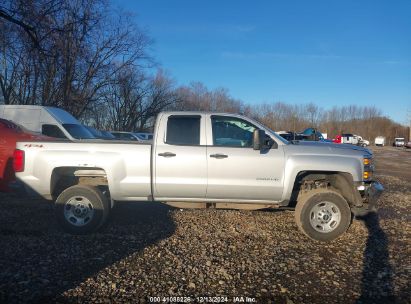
x=207, y=156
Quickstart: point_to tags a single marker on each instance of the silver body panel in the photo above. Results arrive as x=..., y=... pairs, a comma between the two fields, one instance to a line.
x=137, y=171
x=246, y=174
x=181, y=176
x=127, y=166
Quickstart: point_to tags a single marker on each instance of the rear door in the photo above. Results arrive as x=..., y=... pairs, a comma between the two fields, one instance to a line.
x=179, y=158
x=235, y=170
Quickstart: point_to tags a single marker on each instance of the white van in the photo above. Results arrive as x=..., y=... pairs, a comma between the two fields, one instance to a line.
x=349, y=139
x=49, y=121
x=380, y=141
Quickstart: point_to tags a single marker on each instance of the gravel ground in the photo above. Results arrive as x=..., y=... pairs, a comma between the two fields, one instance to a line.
x=150, y=250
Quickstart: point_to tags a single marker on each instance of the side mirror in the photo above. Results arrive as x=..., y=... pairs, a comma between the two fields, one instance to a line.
x=258, y=139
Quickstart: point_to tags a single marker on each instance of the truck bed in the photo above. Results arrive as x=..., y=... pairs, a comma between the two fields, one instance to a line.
x=125, y=165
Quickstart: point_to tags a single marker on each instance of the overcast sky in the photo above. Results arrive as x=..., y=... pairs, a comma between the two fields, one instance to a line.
x=326, y=52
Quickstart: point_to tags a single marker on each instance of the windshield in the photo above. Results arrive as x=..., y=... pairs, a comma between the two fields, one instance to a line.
x=78, y=131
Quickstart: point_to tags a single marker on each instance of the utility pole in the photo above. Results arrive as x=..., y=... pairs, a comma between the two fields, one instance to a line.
x=409, y=135
x=409, y=130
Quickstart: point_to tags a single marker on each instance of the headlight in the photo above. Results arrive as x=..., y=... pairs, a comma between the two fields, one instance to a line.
x=367, y=175
x=368, y=168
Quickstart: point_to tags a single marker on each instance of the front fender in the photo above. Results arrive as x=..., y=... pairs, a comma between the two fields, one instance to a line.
x=296, y=164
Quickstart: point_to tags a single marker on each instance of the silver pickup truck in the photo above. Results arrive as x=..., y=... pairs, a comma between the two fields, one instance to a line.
x=203, y=160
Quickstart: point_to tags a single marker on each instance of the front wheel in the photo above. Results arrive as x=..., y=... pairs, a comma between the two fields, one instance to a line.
x=322, y=214
x=81, y=209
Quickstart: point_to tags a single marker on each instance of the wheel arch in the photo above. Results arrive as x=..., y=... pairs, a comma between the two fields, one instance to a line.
x=343, y=182
x=65, y=177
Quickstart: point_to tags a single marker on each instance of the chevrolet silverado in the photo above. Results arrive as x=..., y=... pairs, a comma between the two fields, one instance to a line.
x=203, y=160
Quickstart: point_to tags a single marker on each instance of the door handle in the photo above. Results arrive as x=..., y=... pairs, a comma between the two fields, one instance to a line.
x=219, y=156
x=167, y=154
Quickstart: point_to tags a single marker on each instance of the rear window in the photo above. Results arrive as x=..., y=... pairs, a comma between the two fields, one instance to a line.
x=183, y=130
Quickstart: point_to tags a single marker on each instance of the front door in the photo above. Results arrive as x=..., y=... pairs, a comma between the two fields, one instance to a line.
x=235, y=170
x=180, y=161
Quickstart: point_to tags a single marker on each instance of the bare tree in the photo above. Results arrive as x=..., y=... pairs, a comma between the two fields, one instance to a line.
x=84, y=57
x=197, y=97
x=134, y=100
x=81, y=46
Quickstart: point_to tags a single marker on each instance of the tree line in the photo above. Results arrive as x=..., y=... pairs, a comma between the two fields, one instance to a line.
x=94, y=61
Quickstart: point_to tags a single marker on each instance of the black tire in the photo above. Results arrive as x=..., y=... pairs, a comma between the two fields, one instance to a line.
x=307, y=214
x=106, y=192
x=90, y=213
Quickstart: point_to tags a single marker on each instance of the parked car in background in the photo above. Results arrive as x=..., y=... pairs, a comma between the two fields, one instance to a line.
x=289, y=135
x=122, y=135
x=380, y=141
x=362, y=142
x=309, y=134
x=352, y=139
x=107, y=134
x=49, y=121
x=100, y=134
x=399, y=142
x=408, y=145
x=314, y=135
x=10, y=133
x=348, y=138
x=144, y=136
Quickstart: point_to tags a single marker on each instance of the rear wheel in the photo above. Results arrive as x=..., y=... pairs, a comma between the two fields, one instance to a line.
x=322, y=214
x=81, y=209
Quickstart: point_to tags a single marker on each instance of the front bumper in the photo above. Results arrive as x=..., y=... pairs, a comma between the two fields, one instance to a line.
x=371, y=193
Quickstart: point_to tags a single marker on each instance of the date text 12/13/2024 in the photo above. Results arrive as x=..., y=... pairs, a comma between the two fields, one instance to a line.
x=201, y=299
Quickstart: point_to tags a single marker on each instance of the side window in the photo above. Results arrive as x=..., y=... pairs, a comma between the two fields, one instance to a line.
x=183, y=130
x=232, y=132
x=52, y=131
